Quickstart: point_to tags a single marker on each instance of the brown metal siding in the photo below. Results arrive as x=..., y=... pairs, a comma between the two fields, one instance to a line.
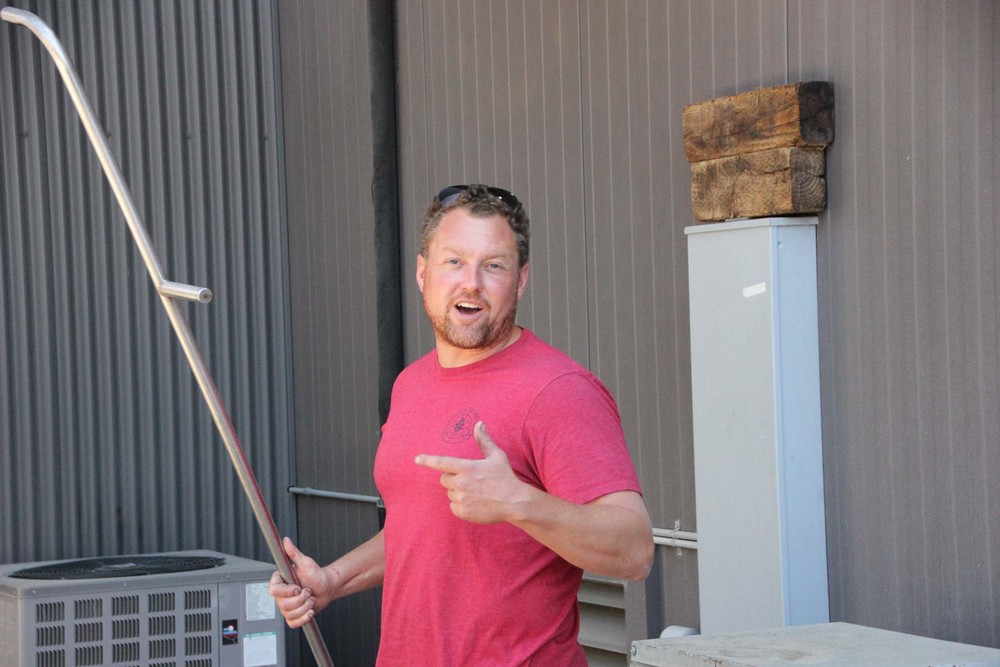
x=907, y=248
x=576, y=106
x=107, y=446
x=643, y=62
x=487, y=93
x=908, y=267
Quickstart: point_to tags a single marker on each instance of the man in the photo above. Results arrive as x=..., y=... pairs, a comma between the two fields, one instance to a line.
x=502, y=465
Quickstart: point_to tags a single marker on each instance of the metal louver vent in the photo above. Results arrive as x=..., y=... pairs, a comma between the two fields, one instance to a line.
x=84, y=633
x=51, y=659
x=199, y=645
x=161, y=602
x=50, y=636
x=50, y=612
x=162, y=648
x=201, y=622
x=88, y=608
x=197, y=600
x=161, y=625
x=125, y=629
x=127, y=605
x=87, y=656
x=125, y=653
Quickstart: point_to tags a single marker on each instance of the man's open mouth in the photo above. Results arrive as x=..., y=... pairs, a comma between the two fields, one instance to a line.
x=467, y=308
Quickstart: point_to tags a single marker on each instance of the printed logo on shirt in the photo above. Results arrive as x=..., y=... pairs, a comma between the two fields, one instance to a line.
x=459, y=428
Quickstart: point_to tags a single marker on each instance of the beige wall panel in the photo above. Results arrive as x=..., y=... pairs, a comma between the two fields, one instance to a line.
x=908, y=265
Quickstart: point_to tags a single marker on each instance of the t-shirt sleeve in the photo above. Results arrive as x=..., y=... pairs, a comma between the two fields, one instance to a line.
x=576, y=444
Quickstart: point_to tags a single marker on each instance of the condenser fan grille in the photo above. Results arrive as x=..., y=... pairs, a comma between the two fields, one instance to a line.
x=130, y=566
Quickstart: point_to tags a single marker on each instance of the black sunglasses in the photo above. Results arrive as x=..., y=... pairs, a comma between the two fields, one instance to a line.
x=448, y=195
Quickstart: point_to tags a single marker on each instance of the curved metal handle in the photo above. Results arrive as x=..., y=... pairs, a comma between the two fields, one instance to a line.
x=169, y=291
x=97, y=138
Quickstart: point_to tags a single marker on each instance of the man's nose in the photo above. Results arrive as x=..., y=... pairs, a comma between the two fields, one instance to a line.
x=472, y=278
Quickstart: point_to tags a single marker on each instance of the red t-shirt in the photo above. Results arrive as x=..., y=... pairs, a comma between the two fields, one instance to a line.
x=458, y=593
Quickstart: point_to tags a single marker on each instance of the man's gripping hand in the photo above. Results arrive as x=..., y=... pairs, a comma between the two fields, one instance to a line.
x=298, y=604
x=482, y=490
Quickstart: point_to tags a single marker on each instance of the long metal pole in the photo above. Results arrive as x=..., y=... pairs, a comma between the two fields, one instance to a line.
x=169, y=291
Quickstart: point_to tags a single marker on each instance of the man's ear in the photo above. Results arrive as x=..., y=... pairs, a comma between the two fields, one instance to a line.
x=421, y=270
x=522, y=281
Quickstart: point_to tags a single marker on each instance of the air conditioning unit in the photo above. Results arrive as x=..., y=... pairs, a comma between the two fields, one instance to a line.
x=186, y=609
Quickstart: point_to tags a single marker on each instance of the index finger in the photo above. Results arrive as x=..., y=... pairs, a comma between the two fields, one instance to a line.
x=278, y=587
x=442, y=463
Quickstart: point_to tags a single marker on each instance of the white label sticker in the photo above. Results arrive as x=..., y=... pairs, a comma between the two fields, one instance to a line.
x=754, y=290
x=260, y=649
x=260, y=604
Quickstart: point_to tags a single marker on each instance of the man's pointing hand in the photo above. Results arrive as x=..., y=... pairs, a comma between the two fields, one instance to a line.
x=482, y=490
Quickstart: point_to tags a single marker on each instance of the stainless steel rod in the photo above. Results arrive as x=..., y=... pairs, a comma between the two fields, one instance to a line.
x=168, y=291
x=182, y=291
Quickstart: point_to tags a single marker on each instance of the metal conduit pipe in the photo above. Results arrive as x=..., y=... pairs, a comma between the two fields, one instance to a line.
x=336, y=495
x=385, y=198
x=385, y=203
x=675, y=538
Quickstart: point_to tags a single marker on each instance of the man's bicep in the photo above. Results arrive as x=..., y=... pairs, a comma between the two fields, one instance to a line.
x=629, y=500
x=577, y=440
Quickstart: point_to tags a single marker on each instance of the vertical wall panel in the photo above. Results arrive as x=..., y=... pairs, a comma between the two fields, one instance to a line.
x=908, y=265
x=107, y=445
x=331, y=227
x=643, y=62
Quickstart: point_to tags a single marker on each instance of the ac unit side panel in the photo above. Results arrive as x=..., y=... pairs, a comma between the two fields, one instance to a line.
x=10, y=632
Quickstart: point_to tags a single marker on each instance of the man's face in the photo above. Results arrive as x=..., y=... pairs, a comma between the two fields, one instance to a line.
x=471, y=285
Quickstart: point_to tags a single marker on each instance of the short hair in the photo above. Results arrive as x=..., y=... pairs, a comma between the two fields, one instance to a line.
x=481, y=201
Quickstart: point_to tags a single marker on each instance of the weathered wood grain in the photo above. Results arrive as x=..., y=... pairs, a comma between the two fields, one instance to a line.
x=778, y=181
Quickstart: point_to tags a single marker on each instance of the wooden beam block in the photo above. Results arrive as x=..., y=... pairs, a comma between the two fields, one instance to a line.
x=797, y=114
x=779, y=181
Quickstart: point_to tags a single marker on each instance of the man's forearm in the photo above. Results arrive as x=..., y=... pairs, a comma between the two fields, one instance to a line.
x=610, y=536
x=358, y=570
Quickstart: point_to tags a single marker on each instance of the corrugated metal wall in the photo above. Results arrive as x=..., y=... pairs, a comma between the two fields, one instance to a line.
x=105, y=444
x=908, y=275
x=327, y=116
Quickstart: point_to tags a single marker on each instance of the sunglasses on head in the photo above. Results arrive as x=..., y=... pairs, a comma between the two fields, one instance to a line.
x=450, y=194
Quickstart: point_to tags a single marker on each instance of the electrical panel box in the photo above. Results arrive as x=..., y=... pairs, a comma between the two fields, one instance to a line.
x=757, y=434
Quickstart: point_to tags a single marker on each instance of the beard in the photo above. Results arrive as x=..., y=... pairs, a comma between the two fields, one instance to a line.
x=483, y=335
